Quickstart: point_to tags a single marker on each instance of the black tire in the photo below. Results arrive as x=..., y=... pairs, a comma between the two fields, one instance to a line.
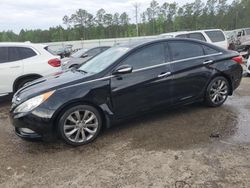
x=24, y=81
x=64, y=119
x=74, y=66
x=212, y=92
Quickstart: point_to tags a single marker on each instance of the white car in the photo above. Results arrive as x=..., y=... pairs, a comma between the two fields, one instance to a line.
x=21, y=63
x=248, y=66
x=213, y=36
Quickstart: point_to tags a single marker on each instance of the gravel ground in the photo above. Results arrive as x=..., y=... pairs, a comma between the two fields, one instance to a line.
x=192, y=146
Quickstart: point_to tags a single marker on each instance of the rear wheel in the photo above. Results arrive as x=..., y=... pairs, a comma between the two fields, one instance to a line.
x=217, y=92
x=80, y=125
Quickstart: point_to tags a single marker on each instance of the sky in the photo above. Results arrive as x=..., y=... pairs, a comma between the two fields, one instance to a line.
x=42, y=14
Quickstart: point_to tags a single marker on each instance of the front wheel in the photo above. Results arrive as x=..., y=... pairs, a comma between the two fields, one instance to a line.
x=80, y=125
x=217, y=92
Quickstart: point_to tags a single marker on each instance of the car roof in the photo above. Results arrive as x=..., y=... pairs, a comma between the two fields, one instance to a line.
x=22, y=44
x=187, y=32
x=140, y=43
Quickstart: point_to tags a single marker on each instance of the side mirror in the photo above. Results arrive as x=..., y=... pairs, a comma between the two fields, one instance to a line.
x=85, y=55
x=123, y=69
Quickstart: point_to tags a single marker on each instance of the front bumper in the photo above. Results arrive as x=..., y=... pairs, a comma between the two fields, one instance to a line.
x=40, y=128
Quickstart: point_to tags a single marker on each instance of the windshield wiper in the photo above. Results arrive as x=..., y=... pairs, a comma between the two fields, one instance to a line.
x=79, y=70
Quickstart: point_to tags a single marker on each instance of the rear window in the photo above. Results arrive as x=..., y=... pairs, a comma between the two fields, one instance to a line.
x=183, y=50
x=3, y=54
x=216, y=36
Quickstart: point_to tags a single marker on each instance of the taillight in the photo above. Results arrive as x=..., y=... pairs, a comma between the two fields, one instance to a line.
x=238, y=59
x=55, y=62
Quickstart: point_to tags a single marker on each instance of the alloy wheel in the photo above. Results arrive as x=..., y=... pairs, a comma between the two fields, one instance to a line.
x=80, y=126
x=218, y=92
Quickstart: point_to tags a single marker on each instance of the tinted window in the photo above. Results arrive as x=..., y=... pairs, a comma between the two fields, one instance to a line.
x=182, y=36
x=215, y=36
x=183, y=50
x=26, y=52
x=247, y=31
x=3, y=54
x=93, y=52
x=197, y=36
x=209, y=50
x=13, y=54
x=148, y=56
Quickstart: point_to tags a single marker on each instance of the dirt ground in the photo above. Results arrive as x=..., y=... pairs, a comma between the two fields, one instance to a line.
x=163, y=149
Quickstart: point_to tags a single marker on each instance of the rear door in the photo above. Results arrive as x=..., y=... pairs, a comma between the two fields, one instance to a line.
x=149, y=84
x=189, y=69
x=11, y=67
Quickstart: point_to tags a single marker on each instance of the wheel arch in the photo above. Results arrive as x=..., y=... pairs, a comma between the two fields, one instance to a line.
x=226, y=77
x=62, y=109
x=24, y=77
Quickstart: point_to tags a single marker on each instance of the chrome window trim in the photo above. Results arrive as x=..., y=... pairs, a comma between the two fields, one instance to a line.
x=150, y=67
x=176, y=61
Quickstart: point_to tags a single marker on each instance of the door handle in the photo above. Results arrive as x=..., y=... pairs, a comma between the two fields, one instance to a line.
x=14, y=67
x=208, y=62
x=164, y=75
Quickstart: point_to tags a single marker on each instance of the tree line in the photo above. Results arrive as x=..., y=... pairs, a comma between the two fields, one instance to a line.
x=156, y=19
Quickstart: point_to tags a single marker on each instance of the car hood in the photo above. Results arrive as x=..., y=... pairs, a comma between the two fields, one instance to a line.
x=50, y=83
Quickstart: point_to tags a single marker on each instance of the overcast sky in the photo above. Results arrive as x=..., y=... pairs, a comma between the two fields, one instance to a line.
x=42, y=14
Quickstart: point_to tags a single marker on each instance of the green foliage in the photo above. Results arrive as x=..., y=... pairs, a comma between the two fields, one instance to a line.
x=155, y=19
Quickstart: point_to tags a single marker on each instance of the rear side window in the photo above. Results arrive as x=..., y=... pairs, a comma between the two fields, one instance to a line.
x=197, y=36
x=183, y=50
x=146, y=57
x=182, y=36
x=216, y=36
x=209, y=50
x=3, y=54
x=25, y=53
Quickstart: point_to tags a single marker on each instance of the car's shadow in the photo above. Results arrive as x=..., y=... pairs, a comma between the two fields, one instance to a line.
x=180, y=128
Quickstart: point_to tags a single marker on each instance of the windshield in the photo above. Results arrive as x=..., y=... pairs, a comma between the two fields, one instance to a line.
x=79, y=53
x=104, y=60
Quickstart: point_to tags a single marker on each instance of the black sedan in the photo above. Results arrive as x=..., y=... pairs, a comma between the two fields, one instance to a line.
x=123, y=81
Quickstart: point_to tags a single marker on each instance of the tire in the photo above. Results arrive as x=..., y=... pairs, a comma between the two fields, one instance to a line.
x=24, y=81
x=80, y=125
x=73, y=67
x=217, y=92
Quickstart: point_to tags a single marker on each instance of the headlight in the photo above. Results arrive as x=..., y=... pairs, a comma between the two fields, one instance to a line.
x=32, y=103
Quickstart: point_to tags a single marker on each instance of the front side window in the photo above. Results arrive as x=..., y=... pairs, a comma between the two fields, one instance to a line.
x=146, y=57
x=197, y=36
x=3, y=54
x=216, y=36
x=183, y=50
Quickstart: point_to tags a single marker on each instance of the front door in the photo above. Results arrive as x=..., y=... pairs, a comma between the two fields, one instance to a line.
x=149, y=84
